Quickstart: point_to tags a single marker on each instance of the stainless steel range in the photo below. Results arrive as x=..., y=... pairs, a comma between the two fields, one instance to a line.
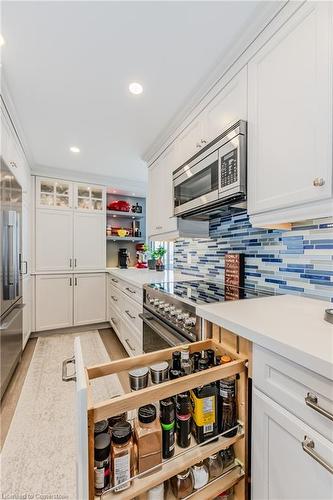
x=169, y=311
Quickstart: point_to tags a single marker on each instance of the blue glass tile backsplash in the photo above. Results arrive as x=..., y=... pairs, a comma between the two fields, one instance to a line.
x=299, y=261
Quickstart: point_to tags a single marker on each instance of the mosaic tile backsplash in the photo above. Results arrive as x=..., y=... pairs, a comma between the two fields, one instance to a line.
x=299, y=261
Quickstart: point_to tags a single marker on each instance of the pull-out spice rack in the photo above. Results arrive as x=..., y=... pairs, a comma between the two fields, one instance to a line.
x=236, y=475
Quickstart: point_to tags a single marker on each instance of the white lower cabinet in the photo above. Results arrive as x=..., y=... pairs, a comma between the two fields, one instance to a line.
x=54, y=301
x=288, y=456
x=89, y=298
x=63, y=300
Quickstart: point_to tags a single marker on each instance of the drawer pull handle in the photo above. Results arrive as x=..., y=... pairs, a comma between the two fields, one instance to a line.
x=129, y=290
x=129, y=314
x=114, y=280
x=308, y=446
x=65, y=376
x=114, y=298
x=113, y=320
x=312, y=401
x=129, y=345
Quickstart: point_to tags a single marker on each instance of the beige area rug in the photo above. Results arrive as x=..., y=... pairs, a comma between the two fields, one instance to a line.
x=39, y=454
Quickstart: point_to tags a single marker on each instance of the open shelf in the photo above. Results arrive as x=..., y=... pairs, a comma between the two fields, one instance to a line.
x=183, y=459
x=124, y=215
x=124, y=238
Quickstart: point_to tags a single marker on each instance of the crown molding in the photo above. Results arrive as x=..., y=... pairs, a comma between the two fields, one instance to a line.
x=219, y=76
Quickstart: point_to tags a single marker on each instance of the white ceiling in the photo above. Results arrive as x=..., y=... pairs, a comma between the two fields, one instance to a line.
x=68, y=66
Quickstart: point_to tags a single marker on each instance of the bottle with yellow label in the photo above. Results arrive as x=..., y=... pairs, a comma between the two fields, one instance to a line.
x=204, y=409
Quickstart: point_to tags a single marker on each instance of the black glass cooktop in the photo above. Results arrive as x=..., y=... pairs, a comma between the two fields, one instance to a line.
x=202, y=292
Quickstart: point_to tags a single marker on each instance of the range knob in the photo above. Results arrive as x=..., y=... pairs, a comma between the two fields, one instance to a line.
x=161, y=305
x=180, y=315
x=173, y=311
x=191, y=321
x=167, y=308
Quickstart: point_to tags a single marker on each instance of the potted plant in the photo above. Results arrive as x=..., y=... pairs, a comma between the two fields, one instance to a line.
x=158, y=255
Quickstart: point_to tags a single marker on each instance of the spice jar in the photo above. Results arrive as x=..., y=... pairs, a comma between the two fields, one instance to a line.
x=185, y=360
x=182, y=484
x=101, y=427
x=195, y=361
x=183, y=419
x=138, y=378
x=102, y=462
x=148, y=437
x=156, y=493
x=228, y=456
x=122, y=417
x=159, y=372
x=215, y=466
x=122, y=455
x=200, y=475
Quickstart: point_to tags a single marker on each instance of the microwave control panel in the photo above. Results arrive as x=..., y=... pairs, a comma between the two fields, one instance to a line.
x=229, y=168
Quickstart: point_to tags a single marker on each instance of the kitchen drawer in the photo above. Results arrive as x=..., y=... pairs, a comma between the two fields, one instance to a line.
x=136, y=293
x=114, y=297
x=130, y=310
x=115, y=319
x=295, y=388
x=131, y=338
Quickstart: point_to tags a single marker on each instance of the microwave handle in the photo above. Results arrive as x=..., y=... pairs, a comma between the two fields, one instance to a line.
x=171, y=339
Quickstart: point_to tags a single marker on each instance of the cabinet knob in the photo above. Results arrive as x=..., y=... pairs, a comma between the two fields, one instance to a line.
x=318, y=181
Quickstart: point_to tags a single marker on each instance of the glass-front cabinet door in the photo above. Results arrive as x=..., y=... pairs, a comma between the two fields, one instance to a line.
x=54, y=193
x=89, y=198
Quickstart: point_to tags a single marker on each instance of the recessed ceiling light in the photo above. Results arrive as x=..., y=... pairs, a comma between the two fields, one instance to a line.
x=74, y=149
x=133, y=194
x=2, y=40
x=135, y=88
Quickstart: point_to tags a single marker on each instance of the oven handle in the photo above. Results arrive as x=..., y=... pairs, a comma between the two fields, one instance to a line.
x=172, y=338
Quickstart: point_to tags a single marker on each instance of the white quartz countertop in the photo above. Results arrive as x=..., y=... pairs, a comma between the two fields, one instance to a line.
x=138, y=277
x=291, y=326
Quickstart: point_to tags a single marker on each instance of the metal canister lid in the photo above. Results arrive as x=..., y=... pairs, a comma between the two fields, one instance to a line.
x=139, y=372
x=159, y=372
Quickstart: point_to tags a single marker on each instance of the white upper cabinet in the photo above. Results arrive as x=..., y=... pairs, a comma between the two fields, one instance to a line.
x=88, y=198
x=290, y=114
x=190, y=141
x=160, y=195
x=89, y=241
x=54, y=240
x=229, y=106
x=54, y=193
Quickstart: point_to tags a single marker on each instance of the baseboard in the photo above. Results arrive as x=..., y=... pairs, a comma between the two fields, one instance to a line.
x=72, y=329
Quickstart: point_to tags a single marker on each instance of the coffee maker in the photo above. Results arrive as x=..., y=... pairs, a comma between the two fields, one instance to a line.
x=123, y=258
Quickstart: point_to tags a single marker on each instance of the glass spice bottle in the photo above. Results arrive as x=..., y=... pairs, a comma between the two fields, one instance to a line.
x=215, y=466
x=148, y=437
x=228, y=456
x=185, y=360
x=122, y=455
x=200, y=475
x=195, y=361
x=182, y=484
x=183, y=419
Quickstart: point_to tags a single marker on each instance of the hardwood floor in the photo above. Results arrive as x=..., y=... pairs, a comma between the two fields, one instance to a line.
x=13, y=391
x=116, y=351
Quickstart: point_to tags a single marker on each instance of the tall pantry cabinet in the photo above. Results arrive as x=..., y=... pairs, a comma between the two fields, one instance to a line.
x=69, y=241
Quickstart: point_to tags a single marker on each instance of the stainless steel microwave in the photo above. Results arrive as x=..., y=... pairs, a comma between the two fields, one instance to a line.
x=214, y=180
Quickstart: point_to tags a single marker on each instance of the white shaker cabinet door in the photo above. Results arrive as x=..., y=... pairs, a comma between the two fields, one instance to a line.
x=281, y=467
x=54, y=301
x=54, y=240
x=290, y=113
x=89, y=241
x=190, y=141
x=89, y=298
x=227, y=107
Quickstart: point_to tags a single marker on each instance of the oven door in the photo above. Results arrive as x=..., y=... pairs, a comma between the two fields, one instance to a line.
x=157, y=335
x=196, y=184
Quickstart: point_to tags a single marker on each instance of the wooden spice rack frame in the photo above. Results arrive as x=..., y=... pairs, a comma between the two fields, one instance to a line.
x=236, y=476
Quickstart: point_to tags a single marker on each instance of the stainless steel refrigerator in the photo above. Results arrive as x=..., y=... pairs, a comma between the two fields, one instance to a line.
x=11, y=320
